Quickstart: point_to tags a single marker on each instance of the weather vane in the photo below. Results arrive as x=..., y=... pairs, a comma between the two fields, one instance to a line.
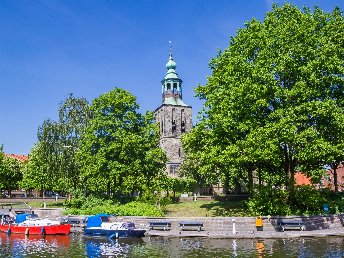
x=170, y=48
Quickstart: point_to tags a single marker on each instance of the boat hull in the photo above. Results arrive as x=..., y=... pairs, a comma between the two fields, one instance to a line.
x=62, y=229
x=115, y=233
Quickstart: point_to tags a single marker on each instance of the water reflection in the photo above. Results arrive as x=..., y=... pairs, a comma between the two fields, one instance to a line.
x=22, y=245
x=104, y=246
x=76, y=245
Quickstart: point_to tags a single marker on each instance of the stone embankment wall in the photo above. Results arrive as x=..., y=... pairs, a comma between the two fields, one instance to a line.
x=246, y=224
x=222, y=225
x=53, y=213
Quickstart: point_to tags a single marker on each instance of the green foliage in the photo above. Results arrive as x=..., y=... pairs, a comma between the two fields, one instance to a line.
x=74, y=116
x=308, y=200
x=11, y=172
x=269, y=201
x=37, y=175
x=273, y=104
x=335, y=200
x=119, y=152
x=52, y=164
x=93, y=205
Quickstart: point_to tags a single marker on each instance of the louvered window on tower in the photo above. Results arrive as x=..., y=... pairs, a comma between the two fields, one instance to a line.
x=173, y=126
x=183, y=127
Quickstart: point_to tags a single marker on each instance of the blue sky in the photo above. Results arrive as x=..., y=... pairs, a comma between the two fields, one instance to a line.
x=49, y=49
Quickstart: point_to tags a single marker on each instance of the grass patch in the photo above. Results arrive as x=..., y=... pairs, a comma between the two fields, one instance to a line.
x=39, y=204
x=206, y=209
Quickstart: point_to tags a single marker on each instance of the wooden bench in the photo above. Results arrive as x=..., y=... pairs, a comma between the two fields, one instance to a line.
x=191, y=225
x=291, y=224
x=162, y=225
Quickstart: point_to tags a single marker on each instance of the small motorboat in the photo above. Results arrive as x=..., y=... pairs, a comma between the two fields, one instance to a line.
x=30, y=224
x=100, y=225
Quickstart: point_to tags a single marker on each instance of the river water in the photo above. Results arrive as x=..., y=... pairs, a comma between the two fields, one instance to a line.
x=76, y=245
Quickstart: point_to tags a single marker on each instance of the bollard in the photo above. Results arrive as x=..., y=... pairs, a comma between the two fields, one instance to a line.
x=233, y=222
x=259, y=223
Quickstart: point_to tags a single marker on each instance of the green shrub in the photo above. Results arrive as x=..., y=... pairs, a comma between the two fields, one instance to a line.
x=268, y=201
x=334, y=200
x=307, y=200
x=129, y=209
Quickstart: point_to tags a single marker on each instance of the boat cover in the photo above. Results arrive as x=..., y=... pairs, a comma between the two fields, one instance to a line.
x=96, y=220
x=22, y=217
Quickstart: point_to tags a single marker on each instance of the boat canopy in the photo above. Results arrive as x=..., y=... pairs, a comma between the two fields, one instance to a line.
x=22, y=217
x=96, y=220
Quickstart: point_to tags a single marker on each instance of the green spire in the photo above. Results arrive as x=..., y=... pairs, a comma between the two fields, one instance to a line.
x=171, y=66
x=171, y=84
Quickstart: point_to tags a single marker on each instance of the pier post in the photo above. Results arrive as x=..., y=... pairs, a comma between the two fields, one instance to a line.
x=234, y=230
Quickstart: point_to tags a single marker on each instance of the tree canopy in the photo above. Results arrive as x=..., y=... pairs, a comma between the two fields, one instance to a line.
x=11, y=172
x=52, y=164
x=274, y=102
x=120, y=151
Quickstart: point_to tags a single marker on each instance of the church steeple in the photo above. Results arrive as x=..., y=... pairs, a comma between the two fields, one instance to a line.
x=174, y=118
x=172, y=93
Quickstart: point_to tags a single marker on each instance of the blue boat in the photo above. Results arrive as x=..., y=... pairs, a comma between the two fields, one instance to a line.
x=100, y=225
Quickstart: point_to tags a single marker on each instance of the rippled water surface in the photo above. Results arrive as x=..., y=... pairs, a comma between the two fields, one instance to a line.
x=76, y=245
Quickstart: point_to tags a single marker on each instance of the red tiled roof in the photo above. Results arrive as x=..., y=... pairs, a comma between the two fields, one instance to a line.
x=18, y=157
x=302, y=179
x=329, y=181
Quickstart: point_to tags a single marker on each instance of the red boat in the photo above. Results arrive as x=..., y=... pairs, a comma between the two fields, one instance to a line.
x=62, y=229
x=30, y=224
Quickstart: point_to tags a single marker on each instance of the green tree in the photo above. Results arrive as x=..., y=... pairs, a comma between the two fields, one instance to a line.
x=74, y=116
x=269, y=92
x=11, y=173
x=119, y=152
x=36, y=176
x=52, y=163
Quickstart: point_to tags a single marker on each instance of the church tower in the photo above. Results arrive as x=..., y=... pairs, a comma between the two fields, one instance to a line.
x=174, y=118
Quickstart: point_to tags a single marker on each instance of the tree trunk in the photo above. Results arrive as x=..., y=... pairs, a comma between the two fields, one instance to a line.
x=334, y=166
x=108, y=188
x=290, y=164
x=250, y=181
x=259, y=178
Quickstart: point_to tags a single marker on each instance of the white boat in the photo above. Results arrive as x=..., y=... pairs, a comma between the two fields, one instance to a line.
x=100, y=225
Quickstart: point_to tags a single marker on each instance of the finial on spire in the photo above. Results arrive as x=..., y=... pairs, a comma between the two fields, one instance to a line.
x=170, y=50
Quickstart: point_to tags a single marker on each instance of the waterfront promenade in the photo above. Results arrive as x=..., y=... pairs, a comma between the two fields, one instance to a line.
x=222, y=227
x=245, y=227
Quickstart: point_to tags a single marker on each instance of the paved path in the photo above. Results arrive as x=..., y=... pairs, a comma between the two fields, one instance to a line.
x=247, y=234
x=245, y=227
